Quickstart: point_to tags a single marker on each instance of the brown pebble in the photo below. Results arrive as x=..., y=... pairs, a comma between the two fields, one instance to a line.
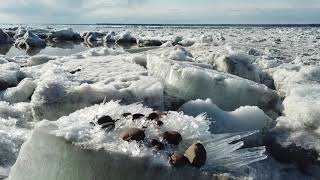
x=178, y=159
x=137, y=116
x=196, y=154
x=126, y=114
x=105, y=119
x=153, y=116
x=132, y=134
x=156, y=143
x=172, y=137
x=159, y=123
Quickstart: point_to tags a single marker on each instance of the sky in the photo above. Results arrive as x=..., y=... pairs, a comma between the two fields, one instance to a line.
x=160, y=11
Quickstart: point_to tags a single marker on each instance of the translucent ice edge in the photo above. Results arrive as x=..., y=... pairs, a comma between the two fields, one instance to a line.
x=220, y=153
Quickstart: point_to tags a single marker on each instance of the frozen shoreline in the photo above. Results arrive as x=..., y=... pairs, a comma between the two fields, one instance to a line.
x=242, y=70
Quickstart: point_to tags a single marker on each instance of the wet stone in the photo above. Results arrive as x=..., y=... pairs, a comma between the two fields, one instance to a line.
x=105, y=119
x=126, y=114
x=178, y=160
x=153, y=116
x=108, y=125
x=172, y=137
x=137, y=116
x=156, y=143
x=196, y=154
x=159, y=123
x=132, y=134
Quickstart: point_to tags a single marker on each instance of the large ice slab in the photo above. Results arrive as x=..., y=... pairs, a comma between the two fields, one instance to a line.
x=70, y=84
x=189, y=82
x=71, y=148
x=245, y=118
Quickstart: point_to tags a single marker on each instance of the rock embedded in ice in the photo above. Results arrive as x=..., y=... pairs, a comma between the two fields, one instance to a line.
x=30, y=40
x=196, y=154
x=188, y=82
x=172, y=137
x=5, y=38
x=58, y=149
x=133, y=134
x=60, y=92
x=245, y=118
x=178, y=159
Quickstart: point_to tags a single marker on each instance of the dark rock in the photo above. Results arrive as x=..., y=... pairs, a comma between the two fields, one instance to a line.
x=156, y=143
x=132, y=134
x=196, y=154
x=105, y=119
x=159, y=123
x=178, y=160
x=126, y=114
x=108, y=125
x=153, y=116
x=292, y=153
x=4, y=85
x=73, y=72
x=151, y=42
x=172, y=137
x=137, y=116
x=92, y=123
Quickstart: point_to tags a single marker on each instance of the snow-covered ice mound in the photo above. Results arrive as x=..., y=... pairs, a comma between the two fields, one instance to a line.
x=64, y=35
x=15, y=125
x=70, y=84
x=77, y=147
x=10, y=75
x=29, y=40
x=300, y=124
x=188, y=81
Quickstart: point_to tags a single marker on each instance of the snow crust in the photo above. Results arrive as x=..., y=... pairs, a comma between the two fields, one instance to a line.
x=69, y=84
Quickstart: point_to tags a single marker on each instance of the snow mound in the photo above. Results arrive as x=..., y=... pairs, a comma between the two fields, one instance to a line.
x=21, y=93
x=125, y=37
x=66, y=85
x=30, y=40
x=15, y=125
x=189, y=82
x=237, y=64
x=244, y=118
x=10, y=75
x=73, y=149
x=39, y=59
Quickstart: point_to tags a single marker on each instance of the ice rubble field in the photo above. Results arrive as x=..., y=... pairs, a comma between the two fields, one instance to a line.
x=229, y=80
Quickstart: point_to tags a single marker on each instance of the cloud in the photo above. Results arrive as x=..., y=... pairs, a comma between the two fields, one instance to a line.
x=164, y=11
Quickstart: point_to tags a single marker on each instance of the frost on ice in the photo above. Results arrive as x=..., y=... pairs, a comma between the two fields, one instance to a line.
x=73, y=148
x=69, y=84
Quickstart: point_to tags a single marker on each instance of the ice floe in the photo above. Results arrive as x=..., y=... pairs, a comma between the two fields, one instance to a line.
x=73, y=148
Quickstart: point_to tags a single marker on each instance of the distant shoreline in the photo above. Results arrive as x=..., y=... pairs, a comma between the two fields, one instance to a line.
x=176, y=25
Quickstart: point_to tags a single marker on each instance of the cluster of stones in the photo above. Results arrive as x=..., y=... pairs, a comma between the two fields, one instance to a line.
x=195, y=155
